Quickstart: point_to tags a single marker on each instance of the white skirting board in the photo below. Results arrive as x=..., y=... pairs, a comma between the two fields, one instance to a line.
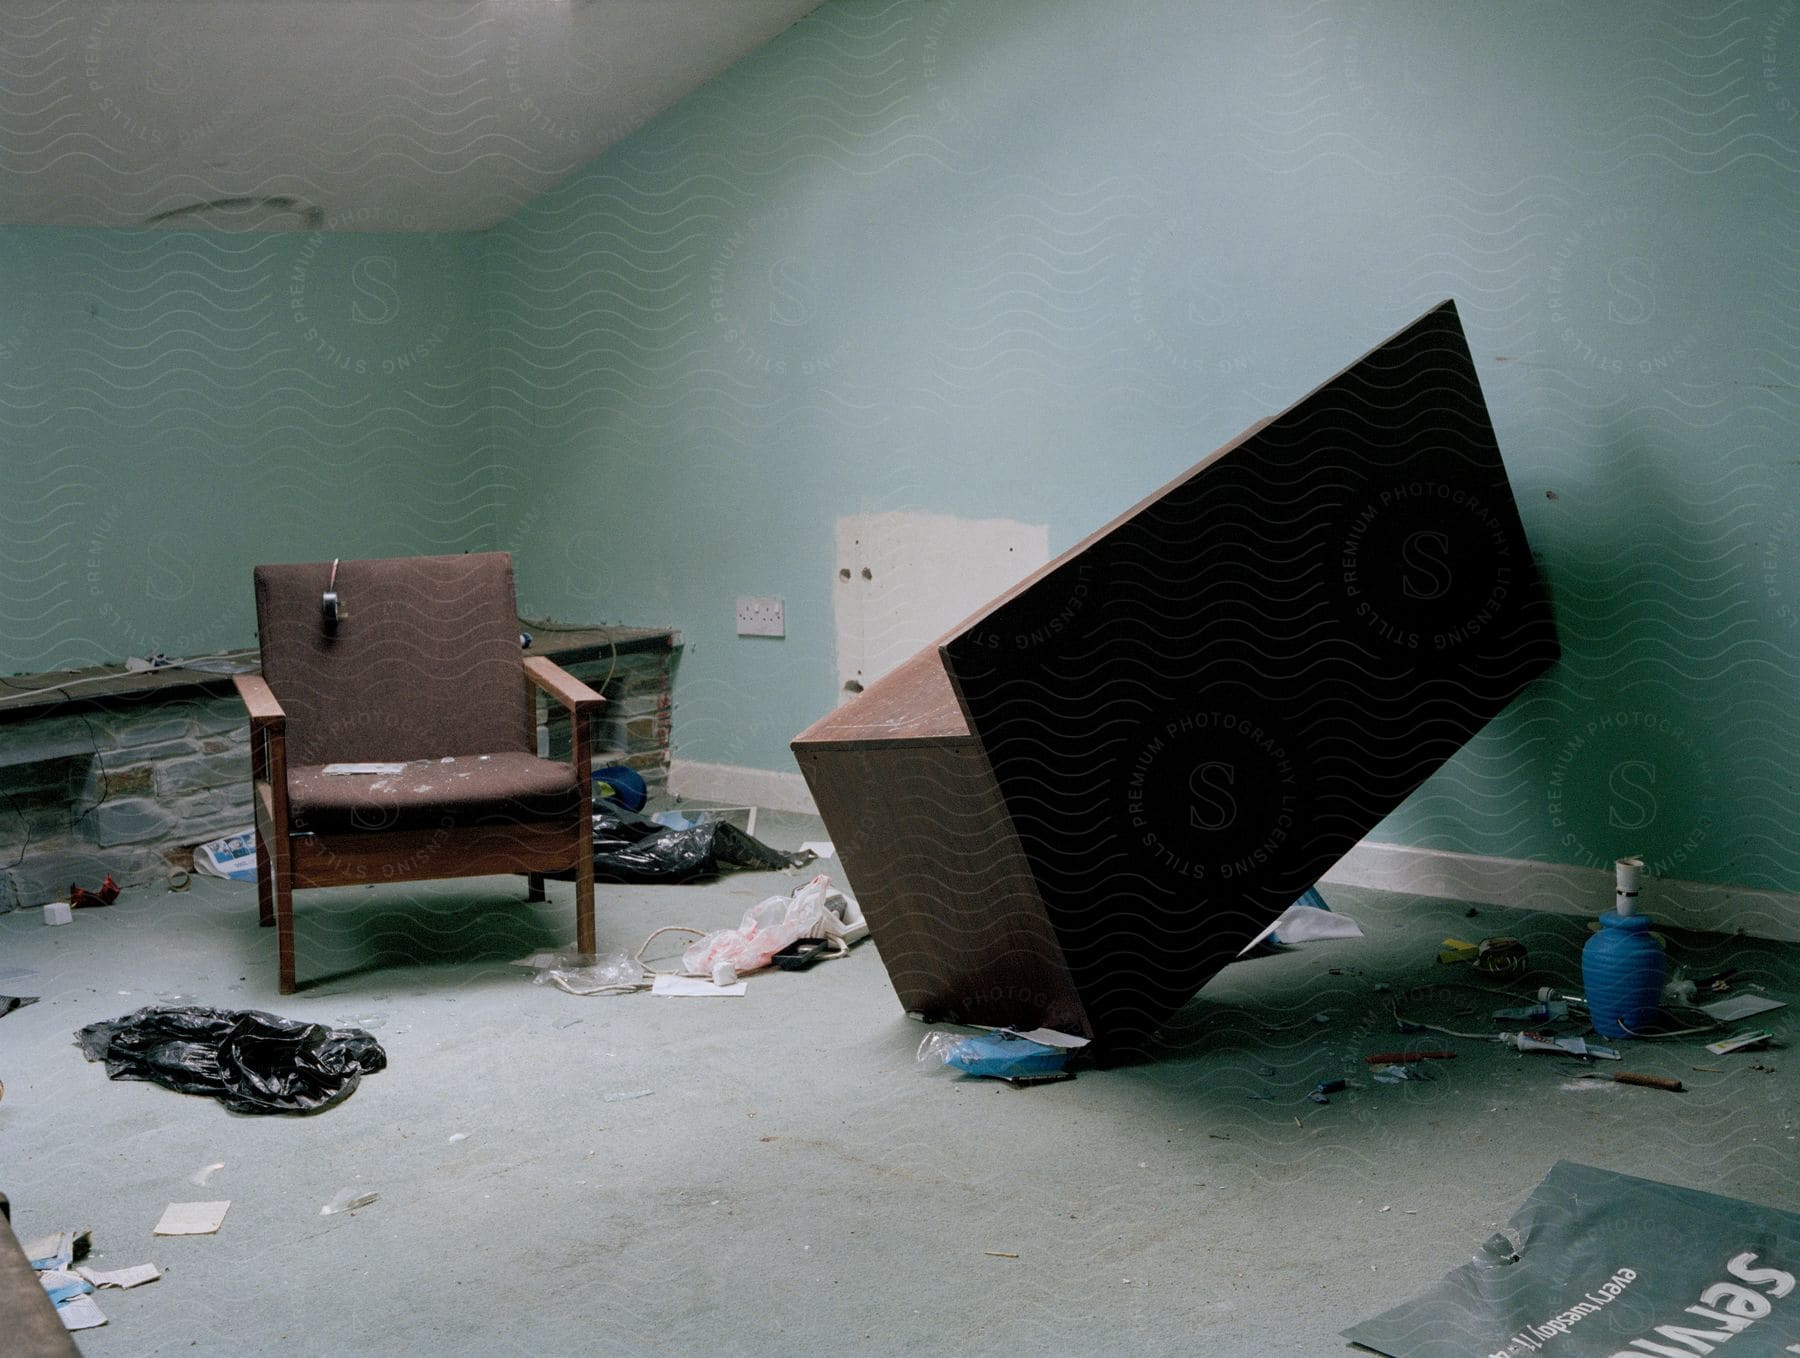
x=1566, y=889
x=735, y=785
x=1522, y=883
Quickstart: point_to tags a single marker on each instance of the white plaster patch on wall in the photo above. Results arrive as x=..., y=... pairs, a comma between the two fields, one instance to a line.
x=904, y=578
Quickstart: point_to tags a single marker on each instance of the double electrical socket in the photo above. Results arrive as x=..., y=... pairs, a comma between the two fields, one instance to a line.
x=761, y=616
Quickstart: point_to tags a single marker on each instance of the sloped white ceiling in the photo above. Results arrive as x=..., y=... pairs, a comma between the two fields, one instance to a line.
x=353, y=115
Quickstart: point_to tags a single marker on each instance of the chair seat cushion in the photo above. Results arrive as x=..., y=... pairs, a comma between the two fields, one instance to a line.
x=464, y=789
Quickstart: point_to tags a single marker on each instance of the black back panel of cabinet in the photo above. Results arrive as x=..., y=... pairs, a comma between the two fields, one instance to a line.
x=1195, y=713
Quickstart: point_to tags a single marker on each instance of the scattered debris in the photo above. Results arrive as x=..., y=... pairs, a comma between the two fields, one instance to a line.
x=1000, y=1254
x=812, y=910
x=60, y=1250
x=1403, y=1058
x=347, y=1200
x=1544, y=1011
x=57, y=912
x=192, y=1218
x=1562, y=1046
x=135, y=1276
x=1307, y=920
x=1000, y=1055
x=252, y=1062
x=74, y=1307
x=1322, y=1091
x=1396, y=1074
x=1491, y=956
x=628, y=1094
x=671, y=848
x=1627, y=1077
x=584, y=974
x=80, y=896
x=8, y=1003
x=1744, y=1041
x=694, y=987
x=232, y=857
x=199, y=1177
x=1741, y=1007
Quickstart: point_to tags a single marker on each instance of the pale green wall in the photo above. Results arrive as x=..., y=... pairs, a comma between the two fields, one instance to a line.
x=1015, y=258
x=1032, y=257
x=176, y=407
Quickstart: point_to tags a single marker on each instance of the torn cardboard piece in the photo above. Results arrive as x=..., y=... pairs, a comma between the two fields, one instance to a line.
x=1597, y=1264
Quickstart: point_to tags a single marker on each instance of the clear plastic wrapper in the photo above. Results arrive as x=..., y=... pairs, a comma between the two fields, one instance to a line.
x=814, y=910
x=1001, y=1055
x=584, y=974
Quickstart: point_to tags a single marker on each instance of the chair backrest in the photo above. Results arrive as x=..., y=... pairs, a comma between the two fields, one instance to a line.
x=423, y=663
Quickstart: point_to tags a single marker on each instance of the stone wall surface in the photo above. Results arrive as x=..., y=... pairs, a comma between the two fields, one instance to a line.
x=129, y=787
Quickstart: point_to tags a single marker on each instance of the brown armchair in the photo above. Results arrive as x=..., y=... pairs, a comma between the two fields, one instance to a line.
x=418, y=664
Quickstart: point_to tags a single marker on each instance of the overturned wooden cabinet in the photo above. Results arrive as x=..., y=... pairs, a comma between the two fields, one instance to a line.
x=1078, y=806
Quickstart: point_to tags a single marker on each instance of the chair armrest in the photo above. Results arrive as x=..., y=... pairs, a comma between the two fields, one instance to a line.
x=576, y=696
x=259, y=700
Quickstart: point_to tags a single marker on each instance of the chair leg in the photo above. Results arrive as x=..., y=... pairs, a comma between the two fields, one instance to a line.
x=281, y=870
x=534, y=886
x=265, y=883
x=584, y=901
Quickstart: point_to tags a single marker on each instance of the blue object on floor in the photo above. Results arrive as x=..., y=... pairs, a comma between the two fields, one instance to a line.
x=621, y=785
x=1003, y=1056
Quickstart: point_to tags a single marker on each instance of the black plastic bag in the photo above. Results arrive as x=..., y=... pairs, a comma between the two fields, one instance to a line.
x=634, y=849
x=250, y=1061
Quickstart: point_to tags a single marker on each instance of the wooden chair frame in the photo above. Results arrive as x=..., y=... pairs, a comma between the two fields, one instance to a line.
x=287, y=861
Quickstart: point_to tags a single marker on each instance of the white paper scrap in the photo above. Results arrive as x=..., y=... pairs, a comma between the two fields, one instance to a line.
x=365, y=768
x=55, y=1279
x=693, y=986
x=80, y=1313
x=122, y=1277
x=1307, y=924
x=823, y=847
x=192, y=1218
x=1736, y=1007
x=1049, y=1037
x=199, y=1177
x=48, y=1251
x=56, y=1251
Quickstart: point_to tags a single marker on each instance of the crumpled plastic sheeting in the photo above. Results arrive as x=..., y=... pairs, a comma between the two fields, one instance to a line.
x=252, y=1062
x=630, y=848
x=813, y=910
